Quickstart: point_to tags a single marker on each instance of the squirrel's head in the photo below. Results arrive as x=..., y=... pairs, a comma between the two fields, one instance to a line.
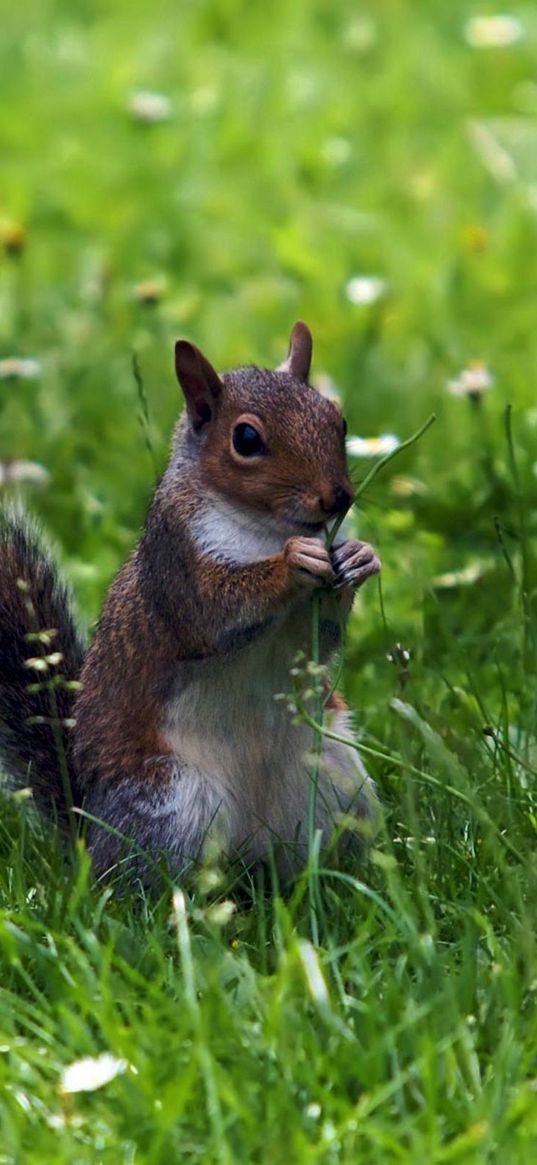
x=266, y=439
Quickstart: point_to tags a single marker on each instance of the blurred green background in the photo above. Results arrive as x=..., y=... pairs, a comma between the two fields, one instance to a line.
x=218, y=169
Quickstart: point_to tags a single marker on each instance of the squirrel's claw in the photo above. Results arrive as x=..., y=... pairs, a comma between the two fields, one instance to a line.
x=309, y=561
x=354, y=562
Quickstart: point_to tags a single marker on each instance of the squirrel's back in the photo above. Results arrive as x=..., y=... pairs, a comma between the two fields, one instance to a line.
x=41, y=653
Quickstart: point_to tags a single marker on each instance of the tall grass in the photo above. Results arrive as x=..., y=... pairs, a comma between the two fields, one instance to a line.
x=306, y=146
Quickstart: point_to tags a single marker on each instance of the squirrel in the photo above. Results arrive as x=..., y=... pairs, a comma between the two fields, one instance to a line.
x=174, y=741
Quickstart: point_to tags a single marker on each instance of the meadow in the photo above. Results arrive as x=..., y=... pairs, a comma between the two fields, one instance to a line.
x=216, y=169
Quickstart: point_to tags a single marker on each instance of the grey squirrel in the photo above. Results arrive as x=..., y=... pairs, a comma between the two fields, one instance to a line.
x=174, y=740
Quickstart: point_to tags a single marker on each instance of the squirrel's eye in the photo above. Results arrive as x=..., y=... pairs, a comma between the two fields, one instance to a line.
x=247, y=442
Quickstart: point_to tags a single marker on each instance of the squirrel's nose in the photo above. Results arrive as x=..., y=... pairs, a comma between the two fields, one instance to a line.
x=336, y=501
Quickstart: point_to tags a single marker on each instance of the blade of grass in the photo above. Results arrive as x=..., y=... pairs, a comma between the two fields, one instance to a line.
x=143, y=415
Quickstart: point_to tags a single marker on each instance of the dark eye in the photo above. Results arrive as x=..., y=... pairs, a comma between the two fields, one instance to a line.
x=247, y=442
x=344, y=427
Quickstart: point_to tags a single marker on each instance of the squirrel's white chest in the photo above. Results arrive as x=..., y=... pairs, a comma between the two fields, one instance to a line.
x=231, y=533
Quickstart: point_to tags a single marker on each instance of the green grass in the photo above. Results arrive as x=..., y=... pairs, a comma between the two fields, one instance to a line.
x=307, y=143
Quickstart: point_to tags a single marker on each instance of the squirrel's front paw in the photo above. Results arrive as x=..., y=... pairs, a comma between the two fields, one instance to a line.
x=309, y=561
x=353, y=563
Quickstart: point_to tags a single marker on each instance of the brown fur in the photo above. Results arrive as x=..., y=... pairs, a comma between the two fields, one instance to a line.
x=282, y=483
x=176, y=725
x=175, y=606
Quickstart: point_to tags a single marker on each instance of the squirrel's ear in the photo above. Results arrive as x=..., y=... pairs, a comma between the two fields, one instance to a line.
x=299, y=355
x=199, y=381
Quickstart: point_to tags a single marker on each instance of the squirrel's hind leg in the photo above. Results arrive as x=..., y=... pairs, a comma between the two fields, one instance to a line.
x=139, y=827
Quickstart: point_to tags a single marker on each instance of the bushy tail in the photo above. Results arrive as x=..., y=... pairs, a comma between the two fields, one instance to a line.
x=41, y=654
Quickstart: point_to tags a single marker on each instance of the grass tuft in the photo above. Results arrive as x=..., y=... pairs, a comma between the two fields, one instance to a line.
x=218, y=172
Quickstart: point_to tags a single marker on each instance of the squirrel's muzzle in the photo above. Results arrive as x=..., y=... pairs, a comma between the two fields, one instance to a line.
x=335, y=501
